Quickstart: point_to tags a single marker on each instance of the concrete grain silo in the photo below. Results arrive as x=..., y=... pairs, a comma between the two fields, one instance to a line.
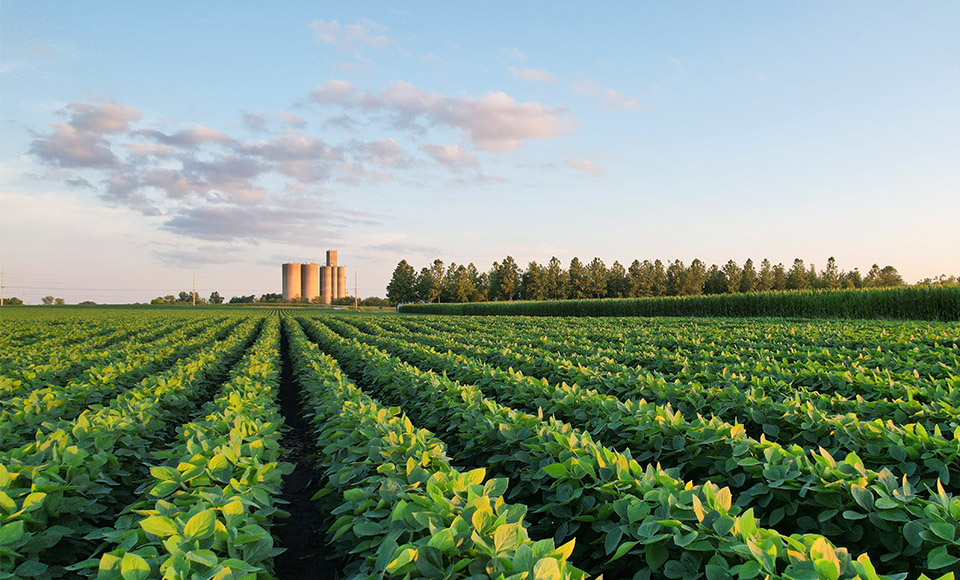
x=310, y=283
x=332, y=258
x=326, y=284
x=291, y=281
x=341, y=281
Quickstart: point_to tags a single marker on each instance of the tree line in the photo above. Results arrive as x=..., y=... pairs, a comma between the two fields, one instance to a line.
x=506, y=281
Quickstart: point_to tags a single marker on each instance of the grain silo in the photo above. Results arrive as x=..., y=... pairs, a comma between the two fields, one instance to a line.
x=341, y=281
x=310, y=283
x=331, y=257
x=291, y=281
x=326, y=285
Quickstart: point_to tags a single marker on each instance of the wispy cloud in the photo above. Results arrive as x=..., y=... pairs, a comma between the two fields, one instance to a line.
x=584, y=166
x=493, y=122
x=533, y=75
x=351, y=37
x=606, y=97
x=452, y=156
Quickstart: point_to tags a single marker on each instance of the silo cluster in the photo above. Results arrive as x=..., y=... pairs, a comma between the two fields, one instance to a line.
x=311, y=281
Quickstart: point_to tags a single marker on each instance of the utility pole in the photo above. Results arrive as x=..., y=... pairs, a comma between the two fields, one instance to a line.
x=1, y=287
x=356, y=305
x=194, y=289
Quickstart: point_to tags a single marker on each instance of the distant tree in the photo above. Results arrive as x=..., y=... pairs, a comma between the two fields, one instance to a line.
x=872, y=278
x=88, y=303
x=596, y=286
x=458, y=284
x=429, y=281
x=889, y=277
x=377, y=302
x=534, y=282
x=749, y=279
x=779, y=277
x=765, y=277
x=576, y=280
x=241, y=299
x=693, y=278
x=797, y=278
x=618, y=284
x=734, y=275
x=658, y=279
x=269, y=297
x=12, y=301
x=830, y=276
x=508, y=279
x=716, y=281
x=215, y=298
x=556, y=280
x=47, y=300
x=402, y=288
x=675, y=272
x=853, y=279
x=58, y=302
x=479, y=282
x=636, y=277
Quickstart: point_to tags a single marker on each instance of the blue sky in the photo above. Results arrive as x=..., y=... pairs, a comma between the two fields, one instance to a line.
x=144, y=143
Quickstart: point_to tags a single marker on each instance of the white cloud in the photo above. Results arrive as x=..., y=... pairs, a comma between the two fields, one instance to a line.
x=450, y=155
x=606, y=97
x=584, y=166
x=493, y=122
x=350, y=37
x=527, y=74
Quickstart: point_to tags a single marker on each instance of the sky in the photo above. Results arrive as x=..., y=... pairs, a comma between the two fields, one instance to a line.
x=143, y=144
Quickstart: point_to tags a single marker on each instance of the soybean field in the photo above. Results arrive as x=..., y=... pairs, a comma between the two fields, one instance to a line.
x=254, y=444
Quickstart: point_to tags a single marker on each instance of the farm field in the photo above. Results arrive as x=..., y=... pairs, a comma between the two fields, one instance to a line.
x=217, y=443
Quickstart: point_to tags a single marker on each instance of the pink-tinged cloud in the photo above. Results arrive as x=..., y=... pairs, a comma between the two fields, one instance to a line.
x=527, y=74
x=188, y=138
x=493, y=122
x=450, y=155
x=103, y=118
x=584, y=166
x=606, y=97
x=292, y=120
x=150, y=149
x=70, y=147
x=350, y=37
x=383, y=152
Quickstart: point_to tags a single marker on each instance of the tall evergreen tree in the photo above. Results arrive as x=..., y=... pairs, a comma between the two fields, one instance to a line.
x=596, y=279
x=675, y=277
x=508, y=279
x=639, y=284
x=797, y=276
x=765, y=276
x=658, y=279
x=716, y=281
x=427, y=289
x=694, y=278
x=534, y=282
x=618, y=285
x=556, y=280
x=734, y=275
x=779, y=277
x=748, y=282
x=830, y=277
x=403, y=285
x=577, y=280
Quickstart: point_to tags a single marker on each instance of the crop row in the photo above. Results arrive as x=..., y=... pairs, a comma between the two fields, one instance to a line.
x=798, y=490
x=77, y=475
x=908, y=449
x=627, y=519
x=209, y=505
x=931, y=402
x=20, y=416
x=401, y=508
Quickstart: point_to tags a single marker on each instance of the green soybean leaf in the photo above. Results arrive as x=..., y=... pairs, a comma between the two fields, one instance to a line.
x=159, y=526
x=201, y=525
x=133, y=567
